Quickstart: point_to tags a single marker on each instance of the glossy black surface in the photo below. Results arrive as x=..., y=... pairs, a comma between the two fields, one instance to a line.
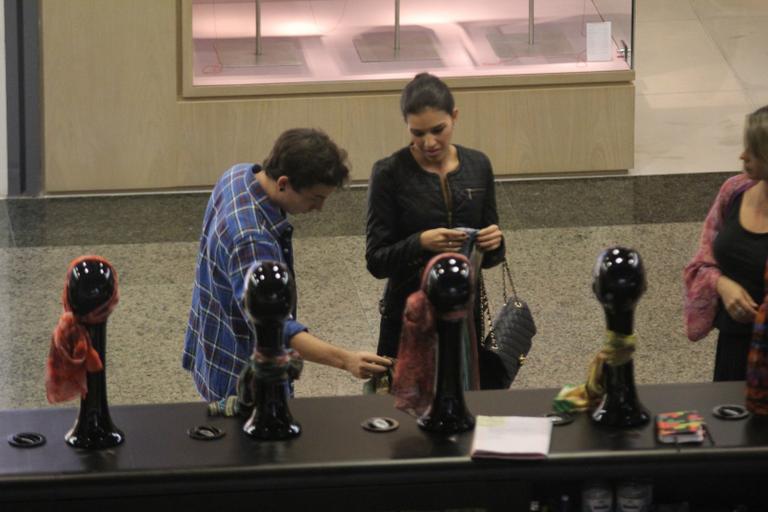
x=449, y=290
x=92, y=284
x=270, y=293
x=271, y=418
x=621, y=406
x=618, y=283
x=448, y=284
x=335, y=461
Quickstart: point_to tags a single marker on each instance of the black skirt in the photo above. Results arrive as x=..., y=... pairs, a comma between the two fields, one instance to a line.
x=731, y=356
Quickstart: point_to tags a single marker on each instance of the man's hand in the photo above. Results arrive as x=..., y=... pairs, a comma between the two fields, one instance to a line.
x=738, y=303
x=364, y=365
x=360, y=364
x=489, y=238
x=442, y=239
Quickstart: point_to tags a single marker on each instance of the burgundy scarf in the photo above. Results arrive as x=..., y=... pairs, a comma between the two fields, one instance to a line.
x=414, y=376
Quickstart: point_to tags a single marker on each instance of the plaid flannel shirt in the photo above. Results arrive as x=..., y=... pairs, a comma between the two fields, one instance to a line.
x=241, y=226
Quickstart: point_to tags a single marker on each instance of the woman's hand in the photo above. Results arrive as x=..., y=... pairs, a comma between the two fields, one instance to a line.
x=738, y=303
x=489, y=238
x=442, y=239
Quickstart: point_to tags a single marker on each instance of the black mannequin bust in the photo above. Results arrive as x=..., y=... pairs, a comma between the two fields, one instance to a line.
x=449, y=289
x=270, y=294
x=91, y=285
x=618, y=283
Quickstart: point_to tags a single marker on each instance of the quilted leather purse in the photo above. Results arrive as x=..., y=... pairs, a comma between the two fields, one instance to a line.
x=509, y=338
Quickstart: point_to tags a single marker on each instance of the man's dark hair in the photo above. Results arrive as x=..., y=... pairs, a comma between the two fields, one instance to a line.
x=423, y=92
x=308, y=157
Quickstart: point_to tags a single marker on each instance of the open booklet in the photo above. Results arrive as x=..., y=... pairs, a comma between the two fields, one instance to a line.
x=511, y=437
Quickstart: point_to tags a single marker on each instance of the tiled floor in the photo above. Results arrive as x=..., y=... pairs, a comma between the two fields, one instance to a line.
x=700, y=68
x=555, y=230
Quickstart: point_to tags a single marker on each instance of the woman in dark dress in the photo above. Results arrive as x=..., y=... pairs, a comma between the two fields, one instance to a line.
x=725, y=281
x=419, y=195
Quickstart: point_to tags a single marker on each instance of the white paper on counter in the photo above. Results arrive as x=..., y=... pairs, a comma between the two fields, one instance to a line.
x=512, y=437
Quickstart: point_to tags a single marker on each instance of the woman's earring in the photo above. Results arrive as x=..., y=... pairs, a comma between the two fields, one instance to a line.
x=282, y=189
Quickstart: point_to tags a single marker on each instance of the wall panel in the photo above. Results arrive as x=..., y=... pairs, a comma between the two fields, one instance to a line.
x=115, y=117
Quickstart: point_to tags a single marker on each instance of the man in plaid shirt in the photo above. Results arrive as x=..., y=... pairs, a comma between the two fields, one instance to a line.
x=245, y=222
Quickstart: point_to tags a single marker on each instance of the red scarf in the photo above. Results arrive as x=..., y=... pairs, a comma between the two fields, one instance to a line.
x=71, y=354
x=414, y=376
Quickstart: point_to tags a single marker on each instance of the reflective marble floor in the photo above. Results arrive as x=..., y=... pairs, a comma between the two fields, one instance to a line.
x=554, y=228
x=700, y=68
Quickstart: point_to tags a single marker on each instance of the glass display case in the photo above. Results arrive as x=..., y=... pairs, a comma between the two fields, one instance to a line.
x=256, y=42
x=201, y=90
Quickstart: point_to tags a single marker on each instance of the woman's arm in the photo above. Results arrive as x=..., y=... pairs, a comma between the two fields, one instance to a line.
x=385, y=253
x=490, y=239
x=700, y=279
x=702, y=273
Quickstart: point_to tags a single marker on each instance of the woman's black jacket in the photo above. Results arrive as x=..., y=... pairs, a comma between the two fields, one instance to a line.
x=403, y=201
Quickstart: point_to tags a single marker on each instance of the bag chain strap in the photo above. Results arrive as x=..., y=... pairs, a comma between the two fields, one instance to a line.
x=487, y=313
x=507, y=274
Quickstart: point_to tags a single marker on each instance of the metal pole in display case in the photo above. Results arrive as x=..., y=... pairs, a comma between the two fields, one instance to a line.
x=258, y=26
x=397, y=27
x=247, y=51
x=415, y=43
x=530, y=22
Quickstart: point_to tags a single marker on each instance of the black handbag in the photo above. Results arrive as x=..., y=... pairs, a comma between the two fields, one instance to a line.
x=509, y=338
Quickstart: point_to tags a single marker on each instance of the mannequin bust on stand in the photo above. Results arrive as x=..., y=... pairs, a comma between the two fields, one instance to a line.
x=91, y=288
x=270, y=293
x=449, y=289
x=618, y=283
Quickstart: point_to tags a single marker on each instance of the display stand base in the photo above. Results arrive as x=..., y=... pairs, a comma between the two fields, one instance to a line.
x=506, y=42
x=416, y=43
x=510, y=41
x=275, y=51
